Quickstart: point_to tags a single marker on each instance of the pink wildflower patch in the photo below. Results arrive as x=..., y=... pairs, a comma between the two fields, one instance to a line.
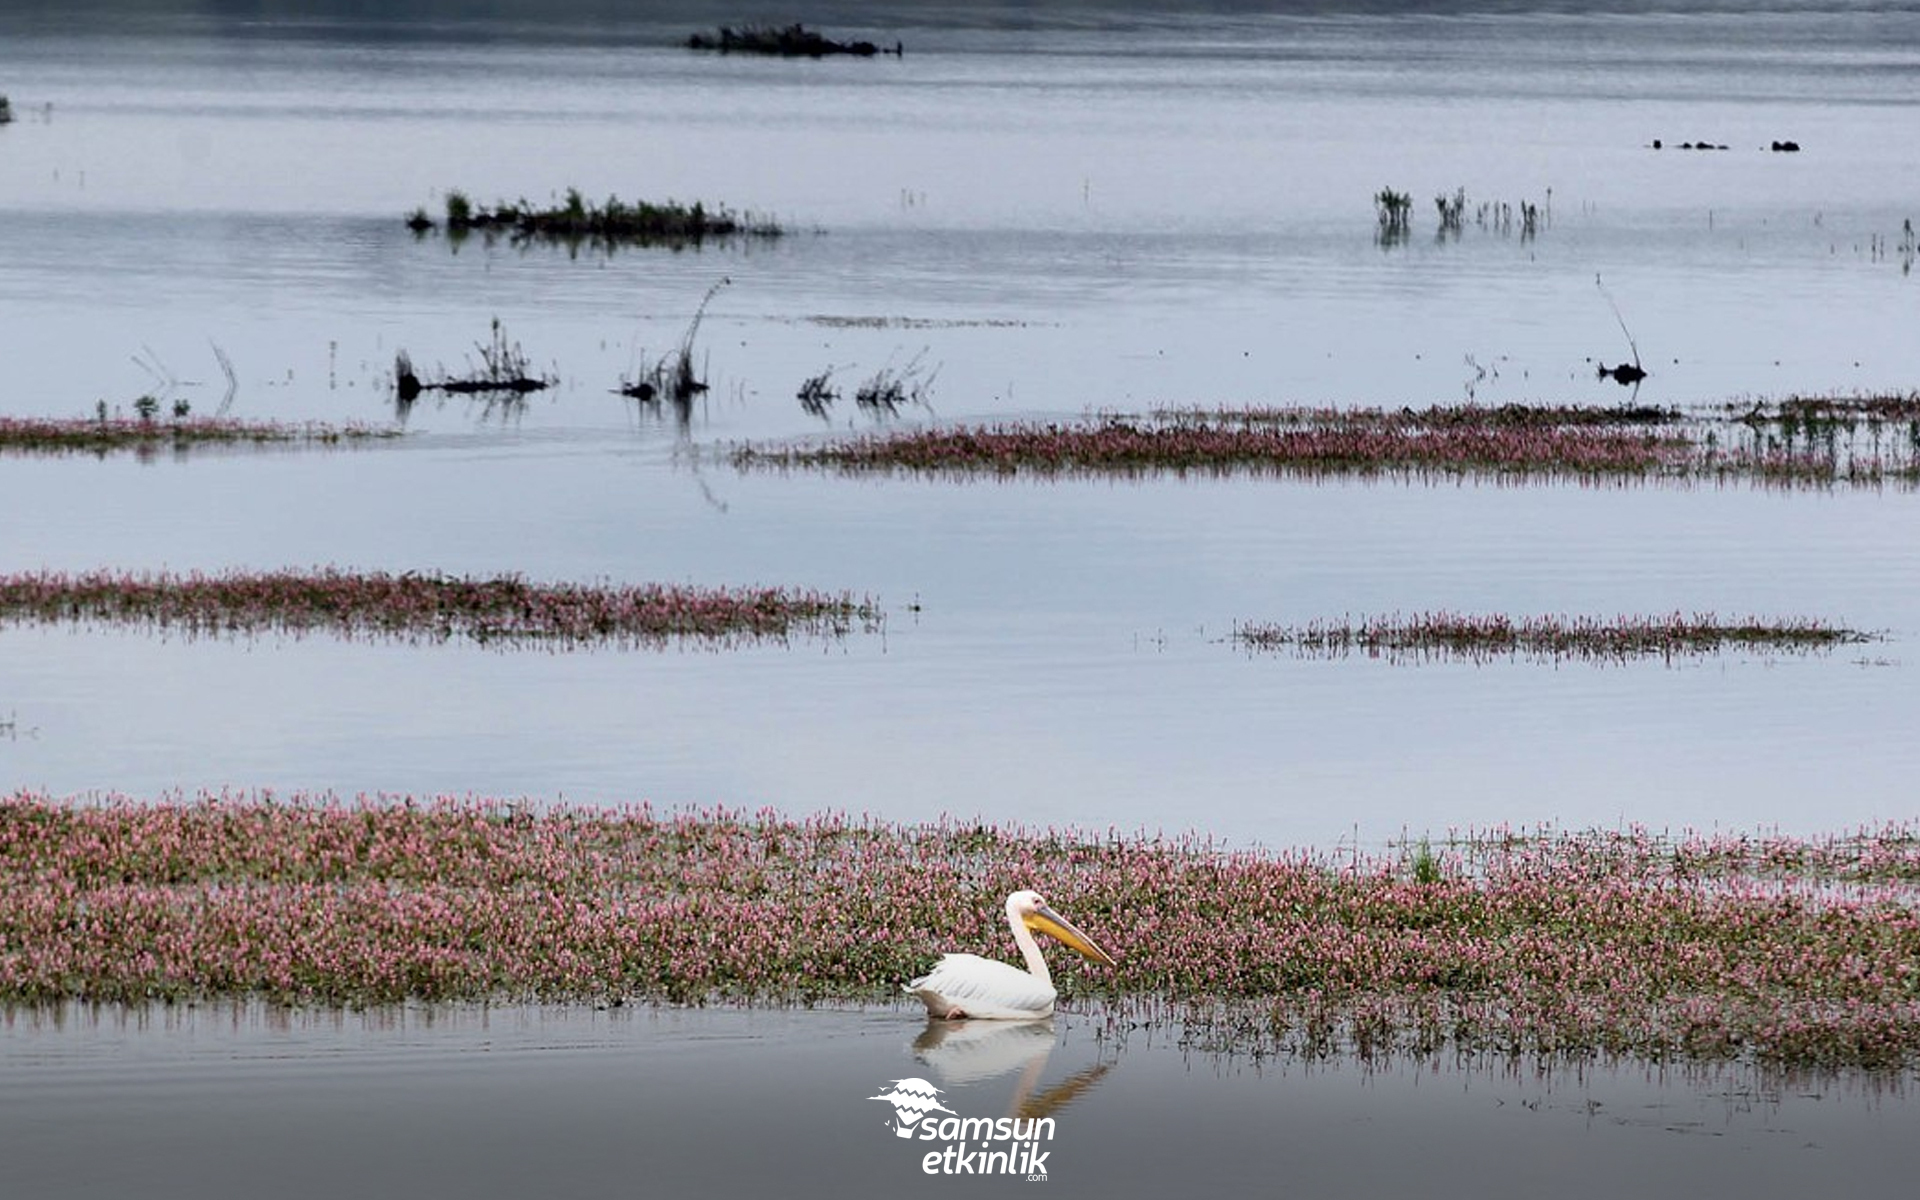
x=1704, y=947
x=1523, y=442
x=500, y=610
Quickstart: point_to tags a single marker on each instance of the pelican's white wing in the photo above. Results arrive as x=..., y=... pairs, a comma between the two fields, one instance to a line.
x=966, y=984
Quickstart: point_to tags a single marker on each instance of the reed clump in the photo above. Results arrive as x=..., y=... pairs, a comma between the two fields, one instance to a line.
x=1393, y=216
x=503, y=368
x=672, y=377
x=1798, y=953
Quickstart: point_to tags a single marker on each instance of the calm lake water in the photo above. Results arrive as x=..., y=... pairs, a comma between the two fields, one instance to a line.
x=1051, y=212
x=1045, y=211
x=512, y=1102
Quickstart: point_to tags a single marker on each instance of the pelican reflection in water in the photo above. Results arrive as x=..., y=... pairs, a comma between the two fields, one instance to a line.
x=962, y=1053
x=966, y=985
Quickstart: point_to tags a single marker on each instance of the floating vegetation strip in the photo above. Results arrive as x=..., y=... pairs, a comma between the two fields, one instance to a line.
x=1816, y=413
x=1438, y=416
x=1626, y=442
x=1790, y=952
x=1434, y=635
x=1122, y=446
x=783, y=41
x=500, y=610
x=58, y=435
x=617, y=222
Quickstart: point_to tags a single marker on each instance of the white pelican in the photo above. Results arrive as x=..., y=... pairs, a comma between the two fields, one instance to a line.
x=966, y=985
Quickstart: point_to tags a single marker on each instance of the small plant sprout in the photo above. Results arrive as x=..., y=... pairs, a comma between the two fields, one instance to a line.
x=1426, y=866
x=1452, y=210
x=502, y=362
x=1530, y=220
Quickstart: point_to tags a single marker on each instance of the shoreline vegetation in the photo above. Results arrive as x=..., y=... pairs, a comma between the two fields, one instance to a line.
x=1482, y=637
x=1789, y=953
x=615, y=223
x=785, y=41
x=501, y=611
x=1858, y=440
x=145, y=434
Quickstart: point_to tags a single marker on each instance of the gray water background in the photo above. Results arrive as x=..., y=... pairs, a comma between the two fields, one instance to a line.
x=1059, y=210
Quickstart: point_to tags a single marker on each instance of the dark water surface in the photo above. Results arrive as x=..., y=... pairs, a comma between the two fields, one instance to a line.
x=516, y=1102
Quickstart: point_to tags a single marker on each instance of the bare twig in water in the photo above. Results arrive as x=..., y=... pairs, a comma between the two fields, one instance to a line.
x=891, y=388
x=817, y=393
x=226, y=368
x=1625, y=373
x=673, y=377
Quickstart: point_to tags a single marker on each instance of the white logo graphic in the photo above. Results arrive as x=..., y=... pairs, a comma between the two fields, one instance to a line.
x=911, y=1100
x=974, y=1145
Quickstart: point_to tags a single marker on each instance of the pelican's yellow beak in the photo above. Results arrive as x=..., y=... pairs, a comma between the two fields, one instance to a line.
x=1045, y=920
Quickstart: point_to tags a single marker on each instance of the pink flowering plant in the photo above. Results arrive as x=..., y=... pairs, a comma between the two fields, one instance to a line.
x=1778, y=950
x=503, y=610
